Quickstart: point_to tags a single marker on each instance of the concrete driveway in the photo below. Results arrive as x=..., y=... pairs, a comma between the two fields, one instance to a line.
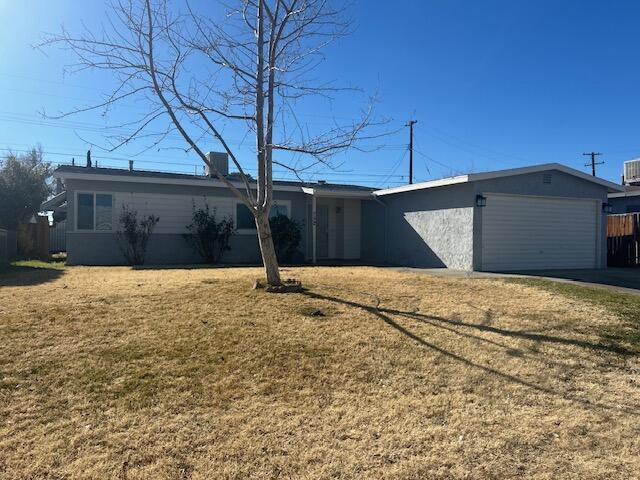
x=621, y=279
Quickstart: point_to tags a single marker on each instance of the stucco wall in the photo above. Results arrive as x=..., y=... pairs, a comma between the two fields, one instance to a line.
x=448, y=233
x=430, y=228
x=165, y=247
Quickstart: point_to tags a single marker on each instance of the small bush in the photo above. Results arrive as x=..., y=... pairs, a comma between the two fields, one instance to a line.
x=134, y=235
x=286, y=234
x=207, y=236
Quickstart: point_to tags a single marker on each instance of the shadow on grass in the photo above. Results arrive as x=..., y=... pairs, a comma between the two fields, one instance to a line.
x=29, y=273
x=384, y=314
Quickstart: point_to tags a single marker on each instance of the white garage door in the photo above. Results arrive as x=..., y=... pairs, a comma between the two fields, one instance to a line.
x=533, y=233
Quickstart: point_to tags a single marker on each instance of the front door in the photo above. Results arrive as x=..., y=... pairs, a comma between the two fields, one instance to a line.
x=322, y=231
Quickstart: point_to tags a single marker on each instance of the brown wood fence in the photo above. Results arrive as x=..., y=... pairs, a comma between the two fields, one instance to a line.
x=33, y=238
x=623, y=240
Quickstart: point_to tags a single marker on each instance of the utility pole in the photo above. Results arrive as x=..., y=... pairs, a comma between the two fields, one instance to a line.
x=593, y=162
x=410, y=124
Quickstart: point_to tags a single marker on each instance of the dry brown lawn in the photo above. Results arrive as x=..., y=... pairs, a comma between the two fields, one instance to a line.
x=112, y=373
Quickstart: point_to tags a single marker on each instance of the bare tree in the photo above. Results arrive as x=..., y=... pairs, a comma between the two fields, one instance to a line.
x=254, y=63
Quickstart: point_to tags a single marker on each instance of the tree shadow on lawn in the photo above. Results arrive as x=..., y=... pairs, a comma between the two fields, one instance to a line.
x=384, y=314
x=24, y=275
x=204, y=266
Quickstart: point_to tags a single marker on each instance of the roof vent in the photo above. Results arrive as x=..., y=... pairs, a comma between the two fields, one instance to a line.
x=546, y=178
x=131, y=165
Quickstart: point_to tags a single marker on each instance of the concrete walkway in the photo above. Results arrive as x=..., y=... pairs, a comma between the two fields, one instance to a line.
x=625, y=280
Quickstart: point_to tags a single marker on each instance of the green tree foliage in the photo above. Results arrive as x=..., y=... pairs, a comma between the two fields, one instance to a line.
x=24, y=185
x=287, y=235
x=134, y=235
x=207, y=236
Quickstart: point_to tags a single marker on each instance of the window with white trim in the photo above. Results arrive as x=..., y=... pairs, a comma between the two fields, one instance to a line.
x=94, y=212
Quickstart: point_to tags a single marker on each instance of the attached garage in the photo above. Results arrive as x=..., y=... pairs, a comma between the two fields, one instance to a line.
x=534, y=218
x=521, y=232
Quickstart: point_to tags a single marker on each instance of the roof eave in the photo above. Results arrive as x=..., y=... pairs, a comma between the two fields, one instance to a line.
x=203, y=182
x=423, y=185
x=474, y=177
x=337, y=193
x=54, y=202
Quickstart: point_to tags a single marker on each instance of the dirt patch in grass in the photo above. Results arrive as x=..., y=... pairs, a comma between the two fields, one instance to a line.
x=189, y=373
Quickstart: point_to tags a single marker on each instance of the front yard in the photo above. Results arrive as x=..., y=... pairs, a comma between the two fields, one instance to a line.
x=188, y=373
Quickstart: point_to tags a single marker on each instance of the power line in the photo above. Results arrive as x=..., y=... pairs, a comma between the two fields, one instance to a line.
x=351, y=173
x=119, y=130
x=470, y=147
x=396, y=165
x=433, y=160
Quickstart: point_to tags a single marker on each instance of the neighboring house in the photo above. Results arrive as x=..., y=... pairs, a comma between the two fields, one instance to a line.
x=545, y=216
x=628, y=200
x=625, y=202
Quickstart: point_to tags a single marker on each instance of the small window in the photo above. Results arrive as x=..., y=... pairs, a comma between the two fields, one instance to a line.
x=85, y=211
x=244, y=218
x=95, y=212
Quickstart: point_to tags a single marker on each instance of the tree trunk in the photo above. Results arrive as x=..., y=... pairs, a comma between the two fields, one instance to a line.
x=267, y=249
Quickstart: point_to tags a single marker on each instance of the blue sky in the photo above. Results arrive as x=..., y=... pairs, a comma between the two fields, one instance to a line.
x=493, y=84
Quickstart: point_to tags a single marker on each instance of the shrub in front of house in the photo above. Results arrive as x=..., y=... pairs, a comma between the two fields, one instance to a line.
x=287, y=235
x=207, y=236
x=134, y=235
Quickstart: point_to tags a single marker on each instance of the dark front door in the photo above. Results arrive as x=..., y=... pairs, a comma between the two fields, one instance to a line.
x=322, y=231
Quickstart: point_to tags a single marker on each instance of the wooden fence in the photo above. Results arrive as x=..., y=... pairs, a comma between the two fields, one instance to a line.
x=623, y=240
x=4, y=245
x=33, y=238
